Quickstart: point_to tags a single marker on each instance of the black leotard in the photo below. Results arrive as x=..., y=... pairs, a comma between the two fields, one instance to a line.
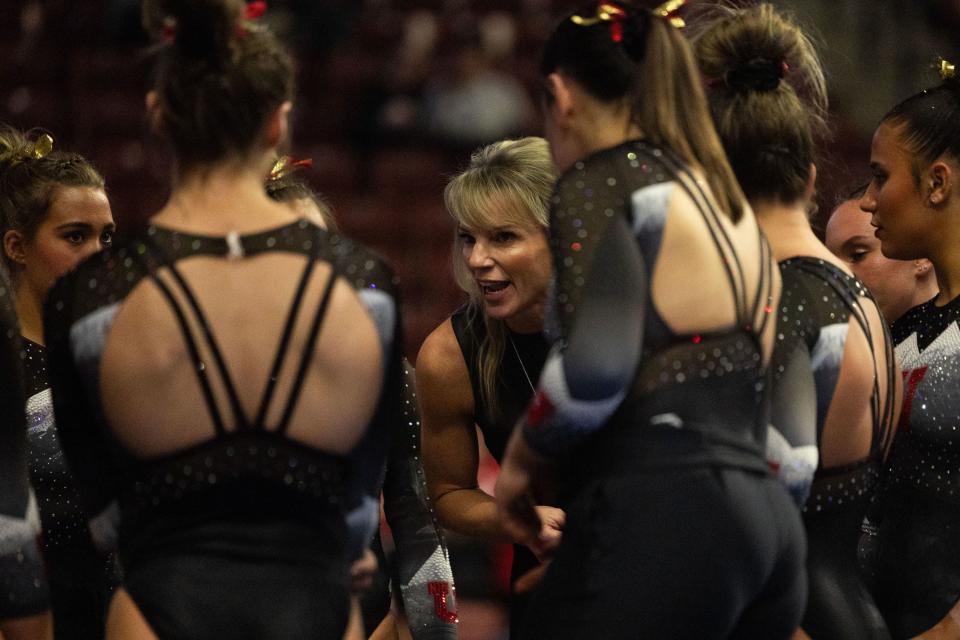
x=918, y=566
x=221, y=538
x=81, y=577
x=677, y=529
x=519, y=371
x=23, y=583
x=816, y=305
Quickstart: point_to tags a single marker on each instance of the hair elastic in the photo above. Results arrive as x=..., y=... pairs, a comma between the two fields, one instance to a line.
x=757, y=74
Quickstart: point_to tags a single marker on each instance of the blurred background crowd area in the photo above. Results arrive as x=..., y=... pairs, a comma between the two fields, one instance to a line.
x=392, y=97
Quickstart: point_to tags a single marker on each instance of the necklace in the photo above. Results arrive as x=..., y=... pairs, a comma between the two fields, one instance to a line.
x=523, y=368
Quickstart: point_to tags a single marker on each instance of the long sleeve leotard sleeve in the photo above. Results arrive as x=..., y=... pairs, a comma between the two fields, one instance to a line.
x=80, y=426
x=426, y=579
x=597, y=309
x=23, y=587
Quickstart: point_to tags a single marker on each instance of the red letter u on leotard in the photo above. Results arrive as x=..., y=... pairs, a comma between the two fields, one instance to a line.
x=439, y=591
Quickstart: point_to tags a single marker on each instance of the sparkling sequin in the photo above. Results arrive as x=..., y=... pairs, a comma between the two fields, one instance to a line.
x=917, y=530
x=926, y=453
x=64, y=523
x=410, y=514
x=23, y=585
x=818, y=300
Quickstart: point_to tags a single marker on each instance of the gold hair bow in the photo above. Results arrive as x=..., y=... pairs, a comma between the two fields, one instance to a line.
x=946, y=69
x=615, y=14
x=42, y=146
x=286, y=164
x=668, y=11
x=606, y=12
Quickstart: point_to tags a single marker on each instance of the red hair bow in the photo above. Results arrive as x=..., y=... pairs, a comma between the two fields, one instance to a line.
x=255, y=10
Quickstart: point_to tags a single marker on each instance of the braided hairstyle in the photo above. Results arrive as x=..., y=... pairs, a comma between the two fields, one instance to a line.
x=29, y=181
x=651, y=67
x=768, y=97
x=219, y=76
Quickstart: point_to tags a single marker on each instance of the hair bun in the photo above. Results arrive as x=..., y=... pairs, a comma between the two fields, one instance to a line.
x=757, y=74
x=13, y=145
x=196, y=29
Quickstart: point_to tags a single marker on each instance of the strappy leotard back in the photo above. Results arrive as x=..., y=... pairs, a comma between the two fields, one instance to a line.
x=818, y=297
x=747, y=312
x=822, y=308
x=681, y=376
x=672, y=405
x=254, y=446
x=235, y=484
x=243, y=423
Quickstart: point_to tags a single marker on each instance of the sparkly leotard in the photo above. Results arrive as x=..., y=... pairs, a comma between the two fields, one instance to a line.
x=423, y=577
x=918, y=565
x=519, y=370
x=81, y=577
x=676, y=528
x=23, y=584
x=816, y=306
x=219, y=538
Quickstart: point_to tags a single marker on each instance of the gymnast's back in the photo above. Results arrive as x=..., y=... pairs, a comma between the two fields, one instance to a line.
x=214, y=394
x=223, y=379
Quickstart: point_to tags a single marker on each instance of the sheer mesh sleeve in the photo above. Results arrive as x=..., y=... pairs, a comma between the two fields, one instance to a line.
x=598, y=305
x=792, y=451
x=89, y=451
x=377, y=288
x=426, y=579
x=23, y=587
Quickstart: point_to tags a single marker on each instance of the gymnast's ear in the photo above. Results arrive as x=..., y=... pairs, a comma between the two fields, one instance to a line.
x=560, y=101
x=13, y=246
x=939, y=178
x=154, y=111
x=811, y=185
x=276, y=129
